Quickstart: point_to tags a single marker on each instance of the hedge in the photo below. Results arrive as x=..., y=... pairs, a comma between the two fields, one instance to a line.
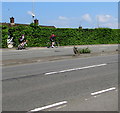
x=39, y=36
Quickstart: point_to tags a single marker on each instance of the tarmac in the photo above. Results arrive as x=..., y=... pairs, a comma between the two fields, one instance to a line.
x=42, y=54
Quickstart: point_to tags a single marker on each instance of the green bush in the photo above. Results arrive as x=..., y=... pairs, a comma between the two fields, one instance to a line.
x=39, y=36
x=84, y=50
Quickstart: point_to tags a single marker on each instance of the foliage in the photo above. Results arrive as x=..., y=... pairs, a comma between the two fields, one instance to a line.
x=84, y=50
x=39, y=36
x=81, y=50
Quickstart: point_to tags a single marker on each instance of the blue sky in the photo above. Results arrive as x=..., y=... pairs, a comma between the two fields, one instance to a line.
x=63, y=14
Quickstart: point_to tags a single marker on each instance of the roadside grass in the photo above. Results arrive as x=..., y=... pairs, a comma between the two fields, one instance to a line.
x=81, y=50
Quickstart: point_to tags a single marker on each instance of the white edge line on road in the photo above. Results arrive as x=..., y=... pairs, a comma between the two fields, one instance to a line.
x=49, y=106
x=68, y=70
x=61, y=106
x=103, y=91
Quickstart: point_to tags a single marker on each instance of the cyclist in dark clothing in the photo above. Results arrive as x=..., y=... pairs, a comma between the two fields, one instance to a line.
x=22, y=39
x=22, y=42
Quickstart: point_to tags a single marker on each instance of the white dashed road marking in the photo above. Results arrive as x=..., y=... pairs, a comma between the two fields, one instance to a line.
x=47, y=107
x=103, y=91
x=74, y=69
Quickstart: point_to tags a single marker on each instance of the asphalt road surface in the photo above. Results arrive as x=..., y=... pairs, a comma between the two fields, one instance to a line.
x=11, y=54
x=82, y=84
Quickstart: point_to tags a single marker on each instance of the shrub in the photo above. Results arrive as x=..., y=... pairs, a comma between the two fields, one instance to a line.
x=38, y=36
x=81, y=51
x=84, y=50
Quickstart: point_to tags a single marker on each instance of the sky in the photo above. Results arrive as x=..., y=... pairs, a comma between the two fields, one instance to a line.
x=63, y=14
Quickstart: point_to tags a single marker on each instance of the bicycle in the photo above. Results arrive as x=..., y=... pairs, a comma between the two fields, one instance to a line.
x=56, y=45
x=22, y=45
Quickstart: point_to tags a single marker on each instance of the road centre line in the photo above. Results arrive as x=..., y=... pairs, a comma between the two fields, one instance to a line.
x=61, y=107
x=103, y=91
x=47, y=107
x=74, y=69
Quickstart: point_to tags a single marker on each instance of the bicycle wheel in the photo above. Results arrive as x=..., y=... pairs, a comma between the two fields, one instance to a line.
x=56, y=44
x=48, y=45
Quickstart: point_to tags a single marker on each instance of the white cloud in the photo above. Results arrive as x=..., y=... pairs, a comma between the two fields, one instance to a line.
x=104, y=18
x=62, y=18
x=113, y=25
x=61, y=21
x=66, y=22
x=87, y=17
x=30, y=13
x=107, y=21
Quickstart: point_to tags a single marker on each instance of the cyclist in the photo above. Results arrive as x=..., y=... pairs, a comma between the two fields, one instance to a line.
x=52, y=39
x=22, y=42
x=10, y=41
x=22, y=39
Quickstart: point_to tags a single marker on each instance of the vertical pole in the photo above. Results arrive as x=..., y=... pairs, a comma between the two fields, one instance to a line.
x=33, y=10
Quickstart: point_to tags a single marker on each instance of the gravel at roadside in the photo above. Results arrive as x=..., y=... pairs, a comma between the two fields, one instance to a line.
x=52, y=58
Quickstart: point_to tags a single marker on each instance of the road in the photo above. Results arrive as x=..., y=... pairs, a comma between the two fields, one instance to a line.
x=62, y=85
x=36, y=52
